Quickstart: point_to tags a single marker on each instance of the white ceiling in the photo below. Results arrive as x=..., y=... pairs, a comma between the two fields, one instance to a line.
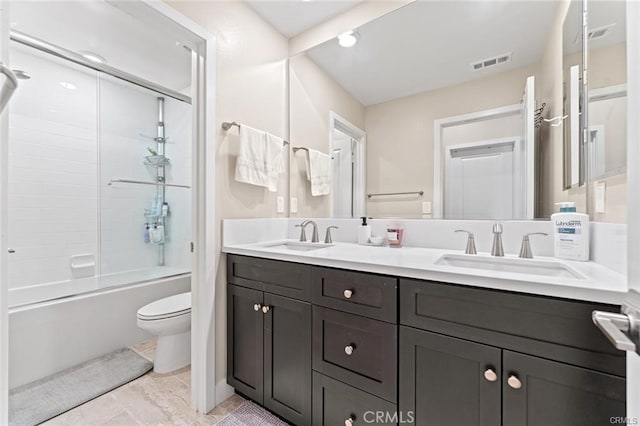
x=431, y=44
x=293, y=17
x=145, y=50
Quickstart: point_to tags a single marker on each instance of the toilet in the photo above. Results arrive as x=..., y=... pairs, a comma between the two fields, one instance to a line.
x=170, y=320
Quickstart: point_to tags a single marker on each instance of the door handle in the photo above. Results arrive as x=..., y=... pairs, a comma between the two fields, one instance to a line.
x=614, y=327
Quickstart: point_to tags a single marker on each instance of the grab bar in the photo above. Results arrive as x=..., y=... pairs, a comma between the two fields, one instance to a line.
x=141, y=182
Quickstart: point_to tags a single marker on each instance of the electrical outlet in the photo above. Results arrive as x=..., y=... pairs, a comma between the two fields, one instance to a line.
x=600, y=196
x=280, y=204
x=426, y=207
x=293, y=206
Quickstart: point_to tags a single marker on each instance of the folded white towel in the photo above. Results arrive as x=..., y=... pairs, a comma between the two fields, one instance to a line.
x=318, y=172
x=260, y=158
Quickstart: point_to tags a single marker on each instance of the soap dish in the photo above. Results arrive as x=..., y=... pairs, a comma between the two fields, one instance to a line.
x=376, y=241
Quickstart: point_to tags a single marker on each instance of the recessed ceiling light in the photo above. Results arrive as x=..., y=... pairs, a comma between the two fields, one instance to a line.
x=93, y=57
x=348, y=39
x=68, y=85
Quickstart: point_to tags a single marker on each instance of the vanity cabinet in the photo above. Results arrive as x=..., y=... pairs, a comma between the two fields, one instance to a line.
x=323, y=346
x=269, y=343
x=475, y=356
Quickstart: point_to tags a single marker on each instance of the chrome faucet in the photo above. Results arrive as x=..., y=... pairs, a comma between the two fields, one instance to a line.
x=327, y=235
x=314, y=235
x=497, y=249
x=471, y=242
x=525, y=249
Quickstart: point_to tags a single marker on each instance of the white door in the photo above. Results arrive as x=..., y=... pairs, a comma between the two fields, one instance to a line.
x=342, y=169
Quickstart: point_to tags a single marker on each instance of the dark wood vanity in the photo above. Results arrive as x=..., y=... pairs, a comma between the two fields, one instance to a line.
x=324, y=346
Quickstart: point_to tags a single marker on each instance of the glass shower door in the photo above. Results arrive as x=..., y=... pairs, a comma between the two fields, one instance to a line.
x=144, y=162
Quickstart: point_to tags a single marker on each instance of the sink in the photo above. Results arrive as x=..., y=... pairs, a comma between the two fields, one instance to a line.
x=513, y=265
x=299, y=245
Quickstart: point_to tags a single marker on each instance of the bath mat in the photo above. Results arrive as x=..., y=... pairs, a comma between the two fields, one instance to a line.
x=50, y=396
x=250, y=414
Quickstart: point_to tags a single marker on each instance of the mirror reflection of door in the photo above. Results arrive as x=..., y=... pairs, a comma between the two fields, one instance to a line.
x=342, y=159
x=347, y=168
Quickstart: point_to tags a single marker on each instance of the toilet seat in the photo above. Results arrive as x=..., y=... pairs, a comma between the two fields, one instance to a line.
x=169, y=307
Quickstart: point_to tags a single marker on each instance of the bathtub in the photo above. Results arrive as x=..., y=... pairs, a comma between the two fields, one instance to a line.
x=50, y=336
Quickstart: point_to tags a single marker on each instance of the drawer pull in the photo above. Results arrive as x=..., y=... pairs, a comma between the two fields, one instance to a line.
x=348, y=422
x=265, y=309
x=348, y=293
x=257, y=307
x=349, y=349
x=514, y=382
x=490, y=375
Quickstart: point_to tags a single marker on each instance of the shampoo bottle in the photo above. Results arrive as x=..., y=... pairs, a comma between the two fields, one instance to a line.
x=364, y=232
x=570, y=233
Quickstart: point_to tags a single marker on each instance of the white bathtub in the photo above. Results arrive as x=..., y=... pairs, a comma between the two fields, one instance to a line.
x=47, y=337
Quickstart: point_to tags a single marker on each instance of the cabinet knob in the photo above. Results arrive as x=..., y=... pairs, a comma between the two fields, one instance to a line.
x=265, y=309
x=348, y=293
x=514, y=382
x=257, y=307
x=349, y=349
x=490, y=375
x=348, y=422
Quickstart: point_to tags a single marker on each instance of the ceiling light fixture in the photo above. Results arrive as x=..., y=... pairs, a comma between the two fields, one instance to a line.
x=93, y=57
x=68, y=85
x=348, y=39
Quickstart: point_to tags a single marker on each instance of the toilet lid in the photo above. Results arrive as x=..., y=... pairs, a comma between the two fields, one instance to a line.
x=169, y=306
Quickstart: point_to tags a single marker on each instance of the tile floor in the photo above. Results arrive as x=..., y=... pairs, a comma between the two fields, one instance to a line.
x=153, y=399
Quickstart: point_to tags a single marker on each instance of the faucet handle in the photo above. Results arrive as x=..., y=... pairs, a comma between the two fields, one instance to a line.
x=471, y=242
x=303, y=234
x=525, y=248
x=497, y=228
x=327, y=235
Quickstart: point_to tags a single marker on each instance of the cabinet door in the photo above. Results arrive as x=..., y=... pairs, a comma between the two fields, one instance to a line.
x=448, y=381
x=336, y=404
x=548, y=393
x=244, y=341
x=287, y=358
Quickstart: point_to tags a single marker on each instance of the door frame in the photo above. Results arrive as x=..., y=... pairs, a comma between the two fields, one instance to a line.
x=360, y=176
x=438, y=128
x=203, y=397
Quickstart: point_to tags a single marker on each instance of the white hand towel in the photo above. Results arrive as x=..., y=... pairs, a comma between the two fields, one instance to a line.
x=275, y=160
x=260, y=158
x=318, y=172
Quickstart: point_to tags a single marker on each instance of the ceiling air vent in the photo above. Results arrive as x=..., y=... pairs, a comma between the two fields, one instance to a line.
x=490, y=62
x=600, y=32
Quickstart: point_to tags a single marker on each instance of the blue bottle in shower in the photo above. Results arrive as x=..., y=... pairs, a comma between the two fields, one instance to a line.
x=147, y=238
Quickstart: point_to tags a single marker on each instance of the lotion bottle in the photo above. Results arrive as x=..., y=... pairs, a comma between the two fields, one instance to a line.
x=570, y=233
x=364, y=232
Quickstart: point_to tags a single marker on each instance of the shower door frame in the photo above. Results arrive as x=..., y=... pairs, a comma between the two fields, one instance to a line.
x=203, y=230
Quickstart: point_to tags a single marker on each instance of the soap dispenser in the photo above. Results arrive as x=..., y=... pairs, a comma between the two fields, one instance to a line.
x=364, y=232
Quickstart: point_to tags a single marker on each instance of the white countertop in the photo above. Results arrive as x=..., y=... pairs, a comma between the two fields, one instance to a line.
x=600, y=284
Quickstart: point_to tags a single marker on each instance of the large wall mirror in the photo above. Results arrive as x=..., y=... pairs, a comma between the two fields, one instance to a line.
x=443, y=110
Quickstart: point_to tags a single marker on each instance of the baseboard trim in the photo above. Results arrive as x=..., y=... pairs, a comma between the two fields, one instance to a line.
x=223, y=391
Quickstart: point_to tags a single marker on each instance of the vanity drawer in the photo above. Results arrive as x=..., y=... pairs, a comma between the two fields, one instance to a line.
x=359, y=351
x=426, y=304
x=369, y=295
x=273, y=276
x=335, y=402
